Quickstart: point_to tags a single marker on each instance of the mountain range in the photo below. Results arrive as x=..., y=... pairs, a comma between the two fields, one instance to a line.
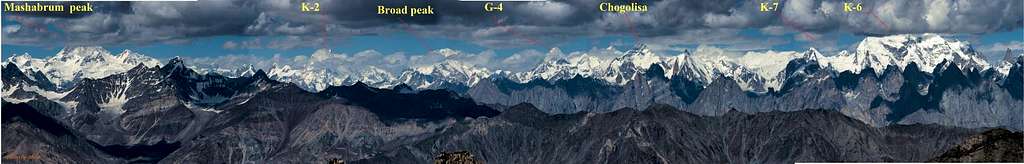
x=895, y=98
x=755, y=71
x=949, y=77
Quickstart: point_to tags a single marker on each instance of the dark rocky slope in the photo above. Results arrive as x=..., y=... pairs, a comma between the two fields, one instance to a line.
x=662, y=134
x=997, y=145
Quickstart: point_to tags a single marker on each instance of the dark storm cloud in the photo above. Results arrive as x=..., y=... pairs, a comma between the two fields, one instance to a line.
x=883, y=17
x=110, y=7
x=522, y=23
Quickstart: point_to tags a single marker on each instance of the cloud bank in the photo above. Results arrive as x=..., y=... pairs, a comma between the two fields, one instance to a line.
x=521, y=24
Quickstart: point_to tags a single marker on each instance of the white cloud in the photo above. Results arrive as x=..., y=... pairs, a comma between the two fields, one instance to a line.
x=526, y=23
x=524, y=58
x=446, y=52
x=712, y=51
x=994, y=53
x=774, y=30
x=230, y=45
x=1013, y=45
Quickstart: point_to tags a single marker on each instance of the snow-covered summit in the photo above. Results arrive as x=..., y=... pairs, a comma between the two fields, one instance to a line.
x=1008, y=61
x=754, y=70
x=247, y=71
x=175, y=64
x=582, y=64
x=309, y=78
x=447, y=71
x=927, y=50
x=374, y=76
x=635, y=61
x=73, y=63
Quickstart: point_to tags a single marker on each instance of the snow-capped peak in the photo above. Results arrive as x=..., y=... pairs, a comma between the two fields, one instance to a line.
x=1008, y=61
x=445, y=72
x=705, y=66
x=708, y=63
x=73, y=63
x=129, y=56
x=376, y=77
x=175, y=63
x=768, y=64
x=927, y=50
x=448, y=67
x=87, y=53
x=563, y=68
x=753, y=70
x=247, y=71
x=813, y=54
x=640, y=56
x=307, y=77
x=635, y=61
x=1010, y=57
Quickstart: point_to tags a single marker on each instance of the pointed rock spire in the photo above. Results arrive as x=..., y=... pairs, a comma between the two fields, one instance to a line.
x=174, y=65
x=260, y=74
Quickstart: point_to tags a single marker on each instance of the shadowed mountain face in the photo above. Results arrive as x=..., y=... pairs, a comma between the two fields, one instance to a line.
x=393, y=105
x=12, y=75
x=997, y=145
x=662, y=134
x=946, y=95
x=146, y=113
x=307, y=128
x=43, y=138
